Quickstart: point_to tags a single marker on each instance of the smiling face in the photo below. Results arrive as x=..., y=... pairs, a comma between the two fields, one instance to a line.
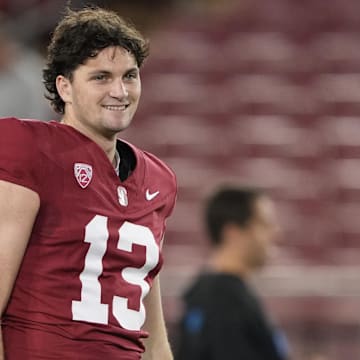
x=103, y=94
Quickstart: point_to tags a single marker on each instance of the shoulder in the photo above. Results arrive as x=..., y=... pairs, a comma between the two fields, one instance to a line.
x=208, y=286
x=17, y=122
x=159, y=177
x=14, y=129
x=158, y=180
x=21, y=158
x=157, y=167
x=16, y=136
x=30, y=138
x=12, y=126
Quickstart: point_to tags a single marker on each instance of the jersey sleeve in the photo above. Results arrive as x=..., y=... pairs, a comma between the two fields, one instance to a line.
x=19, y=154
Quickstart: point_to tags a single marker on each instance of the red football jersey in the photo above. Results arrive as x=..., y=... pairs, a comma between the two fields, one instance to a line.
x=94, y=249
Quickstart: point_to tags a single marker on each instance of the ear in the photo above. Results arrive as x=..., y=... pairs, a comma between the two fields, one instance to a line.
x=64, y=88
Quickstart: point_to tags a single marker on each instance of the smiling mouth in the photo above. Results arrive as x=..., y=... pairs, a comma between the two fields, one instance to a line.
x=116, y=107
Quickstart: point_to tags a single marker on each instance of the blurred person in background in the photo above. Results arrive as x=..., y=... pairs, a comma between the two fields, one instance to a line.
x=82, y=213
x=223, y=318
x=21, y=89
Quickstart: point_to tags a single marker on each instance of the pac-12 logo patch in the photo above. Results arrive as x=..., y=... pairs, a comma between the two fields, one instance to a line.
x=83, y=174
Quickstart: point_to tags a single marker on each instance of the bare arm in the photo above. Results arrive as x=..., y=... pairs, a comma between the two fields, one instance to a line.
x=18, y=209
x=157, y=345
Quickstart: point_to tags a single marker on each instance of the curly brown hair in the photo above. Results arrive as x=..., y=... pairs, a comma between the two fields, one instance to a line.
x=81, y=35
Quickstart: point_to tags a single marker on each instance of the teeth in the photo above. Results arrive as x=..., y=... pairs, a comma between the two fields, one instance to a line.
x=115, y=107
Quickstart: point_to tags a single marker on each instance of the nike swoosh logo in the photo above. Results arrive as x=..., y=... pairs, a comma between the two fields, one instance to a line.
x=149, y=196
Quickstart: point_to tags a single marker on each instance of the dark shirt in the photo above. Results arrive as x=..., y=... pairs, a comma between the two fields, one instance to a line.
x=224, y=320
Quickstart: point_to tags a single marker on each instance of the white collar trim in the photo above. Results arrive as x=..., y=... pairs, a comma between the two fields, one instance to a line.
x=117, y=162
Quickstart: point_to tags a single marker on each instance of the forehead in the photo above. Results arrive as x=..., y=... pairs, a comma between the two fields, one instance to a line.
x=110, y=57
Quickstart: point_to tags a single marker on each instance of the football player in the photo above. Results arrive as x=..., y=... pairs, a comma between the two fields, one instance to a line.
x=82, y=213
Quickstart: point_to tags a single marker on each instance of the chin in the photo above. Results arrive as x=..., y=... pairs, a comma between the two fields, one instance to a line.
x=119, y=126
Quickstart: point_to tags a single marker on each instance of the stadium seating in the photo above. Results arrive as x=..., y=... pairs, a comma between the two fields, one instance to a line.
x=268, y=96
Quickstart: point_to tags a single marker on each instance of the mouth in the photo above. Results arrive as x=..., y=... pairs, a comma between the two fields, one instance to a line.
x=116, y=107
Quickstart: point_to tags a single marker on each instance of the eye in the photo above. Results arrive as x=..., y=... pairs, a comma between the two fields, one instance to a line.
x=132, y=75
x=100, y=77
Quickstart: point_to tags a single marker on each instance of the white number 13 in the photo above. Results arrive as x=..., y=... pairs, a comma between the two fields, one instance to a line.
x=90, y=308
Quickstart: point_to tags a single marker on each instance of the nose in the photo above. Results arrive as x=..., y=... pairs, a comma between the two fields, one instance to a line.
x=118, y=89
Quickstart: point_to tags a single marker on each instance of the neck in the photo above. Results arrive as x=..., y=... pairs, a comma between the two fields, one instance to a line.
x=107, y=143
x=225, y=261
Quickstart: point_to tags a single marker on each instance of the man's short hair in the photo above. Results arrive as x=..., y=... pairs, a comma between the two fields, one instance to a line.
x=229, y=205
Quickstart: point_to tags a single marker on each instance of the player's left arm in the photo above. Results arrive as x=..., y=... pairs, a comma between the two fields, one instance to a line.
x=157, y=345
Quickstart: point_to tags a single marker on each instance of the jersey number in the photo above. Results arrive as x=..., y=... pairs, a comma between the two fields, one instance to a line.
x=90, y=308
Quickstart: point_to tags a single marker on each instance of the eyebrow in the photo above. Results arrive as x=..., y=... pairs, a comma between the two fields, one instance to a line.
x=106, y=72
x=97, y=72
x=133, y=69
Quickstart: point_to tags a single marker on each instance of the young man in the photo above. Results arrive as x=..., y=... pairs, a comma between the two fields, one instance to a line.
x=82, y=213
x=223, y=318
